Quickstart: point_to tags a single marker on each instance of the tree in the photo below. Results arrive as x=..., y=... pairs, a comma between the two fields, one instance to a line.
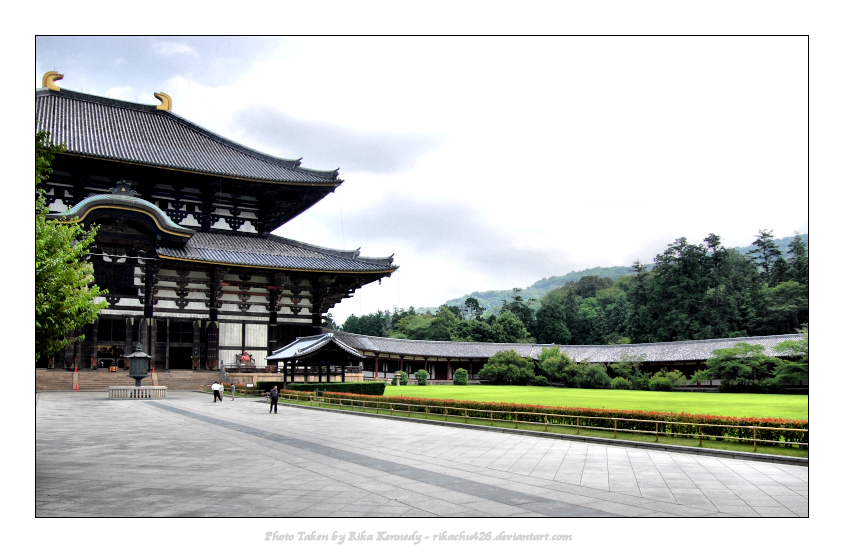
x=64, y=289
x=473, y=307
x=766, y=252
x=328, y=322
x=509, y=329
x=507, y=367
x=798, y=264
x=742, y=362
x=551, y=322
x=795, y=369
x=441, y=326
x=521, y=309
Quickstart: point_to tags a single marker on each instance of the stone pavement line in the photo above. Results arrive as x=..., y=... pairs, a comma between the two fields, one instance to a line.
x=576, y=494
x=482, y=491
x=661, y=480
x=323, y=424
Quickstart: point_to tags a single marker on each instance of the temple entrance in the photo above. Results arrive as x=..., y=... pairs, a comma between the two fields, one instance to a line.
x=180, y=358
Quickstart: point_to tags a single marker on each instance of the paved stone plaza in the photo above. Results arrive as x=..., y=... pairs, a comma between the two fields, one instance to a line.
x=187, y=456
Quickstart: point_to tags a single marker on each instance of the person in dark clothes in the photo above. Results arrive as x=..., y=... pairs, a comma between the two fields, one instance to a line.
x=274, y=400
x=216, y=389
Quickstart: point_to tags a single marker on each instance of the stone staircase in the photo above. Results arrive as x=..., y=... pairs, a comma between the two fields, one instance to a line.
x=95, y=381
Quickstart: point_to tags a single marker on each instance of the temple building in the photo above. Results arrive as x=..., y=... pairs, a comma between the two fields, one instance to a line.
x=185, y=247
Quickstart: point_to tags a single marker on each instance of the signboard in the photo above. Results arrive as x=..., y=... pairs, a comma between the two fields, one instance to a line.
x=250, y=385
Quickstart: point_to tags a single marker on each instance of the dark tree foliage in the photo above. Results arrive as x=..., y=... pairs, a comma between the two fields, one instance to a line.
x=766, y=252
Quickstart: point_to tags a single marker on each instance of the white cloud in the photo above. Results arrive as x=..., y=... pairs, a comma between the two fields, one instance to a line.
x=172, y=48
x=121, y=93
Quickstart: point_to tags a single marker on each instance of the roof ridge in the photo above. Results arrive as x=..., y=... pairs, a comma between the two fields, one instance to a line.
x=291, y=164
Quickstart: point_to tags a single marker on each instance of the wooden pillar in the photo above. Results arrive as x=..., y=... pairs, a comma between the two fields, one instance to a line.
x=153, y=336
x=376, y=367
x=167, y=344
x=128, y=346
x=94, y=327
x=306, y=373
x=197, y=343
x=448, y=369
x=470, y=369
x=343, y=373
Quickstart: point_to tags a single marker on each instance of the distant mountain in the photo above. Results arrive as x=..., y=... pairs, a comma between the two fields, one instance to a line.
x=492, y=299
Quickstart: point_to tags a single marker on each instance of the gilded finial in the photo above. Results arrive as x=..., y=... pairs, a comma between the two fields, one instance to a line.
x=47, y=81
x=166, y=101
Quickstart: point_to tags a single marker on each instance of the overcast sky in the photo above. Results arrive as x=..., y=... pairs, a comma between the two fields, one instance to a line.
x=490, y=163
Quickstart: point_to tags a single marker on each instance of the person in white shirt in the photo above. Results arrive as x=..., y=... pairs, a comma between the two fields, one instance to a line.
x=216, y=389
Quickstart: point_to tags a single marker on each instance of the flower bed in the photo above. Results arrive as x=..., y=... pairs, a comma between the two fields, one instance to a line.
x=716, y=426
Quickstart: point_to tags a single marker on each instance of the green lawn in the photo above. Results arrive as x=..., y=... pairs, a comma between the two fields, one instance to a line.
x=734, y=405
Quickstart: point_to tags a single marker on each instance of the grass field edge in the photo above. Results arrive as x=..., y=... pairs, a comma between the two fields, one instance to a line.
x=710, y=452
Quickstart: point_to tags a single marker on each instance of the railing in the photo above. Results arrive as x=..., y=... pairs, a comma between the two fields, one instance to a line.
x=137, y=392
x=513, y=417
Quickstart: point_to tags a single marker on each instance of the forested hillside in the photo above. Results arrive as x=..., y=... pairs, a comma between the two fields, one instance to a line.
x=690, y=292
x=491, y=300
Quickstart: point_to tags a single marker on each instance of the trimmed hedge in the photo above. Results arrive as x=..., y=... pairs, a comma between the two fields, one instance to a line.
x=360, y=388
x=567, y=415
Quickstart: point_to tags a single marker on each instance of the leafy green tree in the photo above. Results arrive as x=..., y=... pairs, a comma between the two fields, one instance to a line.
x=507, y=367
x=741, y=363
x=64, y=289
x=766, y=252
x=628, y=365
x=442, y=324
x=798, y=264
x=796, y=368
x=510, y=329
x=473, y=307
x=421, y=377
x=551, y=322
x=785, y=307
x=521, y=309
x=328, y=322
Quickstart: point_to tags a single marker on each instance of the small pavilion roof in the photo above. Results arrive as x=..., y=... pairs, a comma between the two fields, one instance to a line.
x=103, y=128
x=304, y=347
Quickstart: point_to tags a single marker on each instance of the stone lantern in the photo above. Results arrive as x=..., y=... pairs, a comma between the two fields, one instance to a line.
x=138, y=365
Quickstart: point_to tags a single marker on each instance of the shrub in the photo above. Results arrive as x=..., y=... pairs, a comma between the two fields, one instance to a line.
x=597, y=375
x=621, y=383
x=540, y=381
x=361, y=388
x=507, y=367
x=461, y=377
x=659, y=383
x=395, y=380
x=421, y=377
x=404, y=379
x=676, y=377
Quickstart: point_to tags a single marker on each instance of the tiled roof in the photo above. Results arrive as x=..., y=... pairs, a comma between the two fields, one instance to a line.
x=302, y=347
x=693, y=350
x=124, y=131
x=274, y=252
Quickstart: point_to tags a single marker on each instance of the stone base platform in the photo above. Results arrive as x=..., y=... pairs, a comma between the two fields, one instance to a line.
x=137, y=392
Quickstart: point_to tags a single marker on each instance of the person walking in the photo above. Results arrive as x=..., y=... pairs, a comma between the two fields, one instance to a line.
x=232, y=391
x=216, y=389
x=274, y=400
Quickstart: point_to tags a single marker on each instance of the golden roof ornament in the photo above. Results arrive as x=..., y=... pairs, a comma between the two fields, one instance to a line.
x=166, y=101
x=47, y=81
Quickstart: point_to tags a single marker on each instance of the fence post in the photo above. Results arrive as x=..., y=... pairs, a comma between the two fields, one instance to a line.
x=491, y=421
x=657, y=431
x=546, y=422
x=699, y=436
x=465, y=416
x=426, y=412
x=517, y=419
x=754, y=438
x=615, y=428
x=577, y=425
